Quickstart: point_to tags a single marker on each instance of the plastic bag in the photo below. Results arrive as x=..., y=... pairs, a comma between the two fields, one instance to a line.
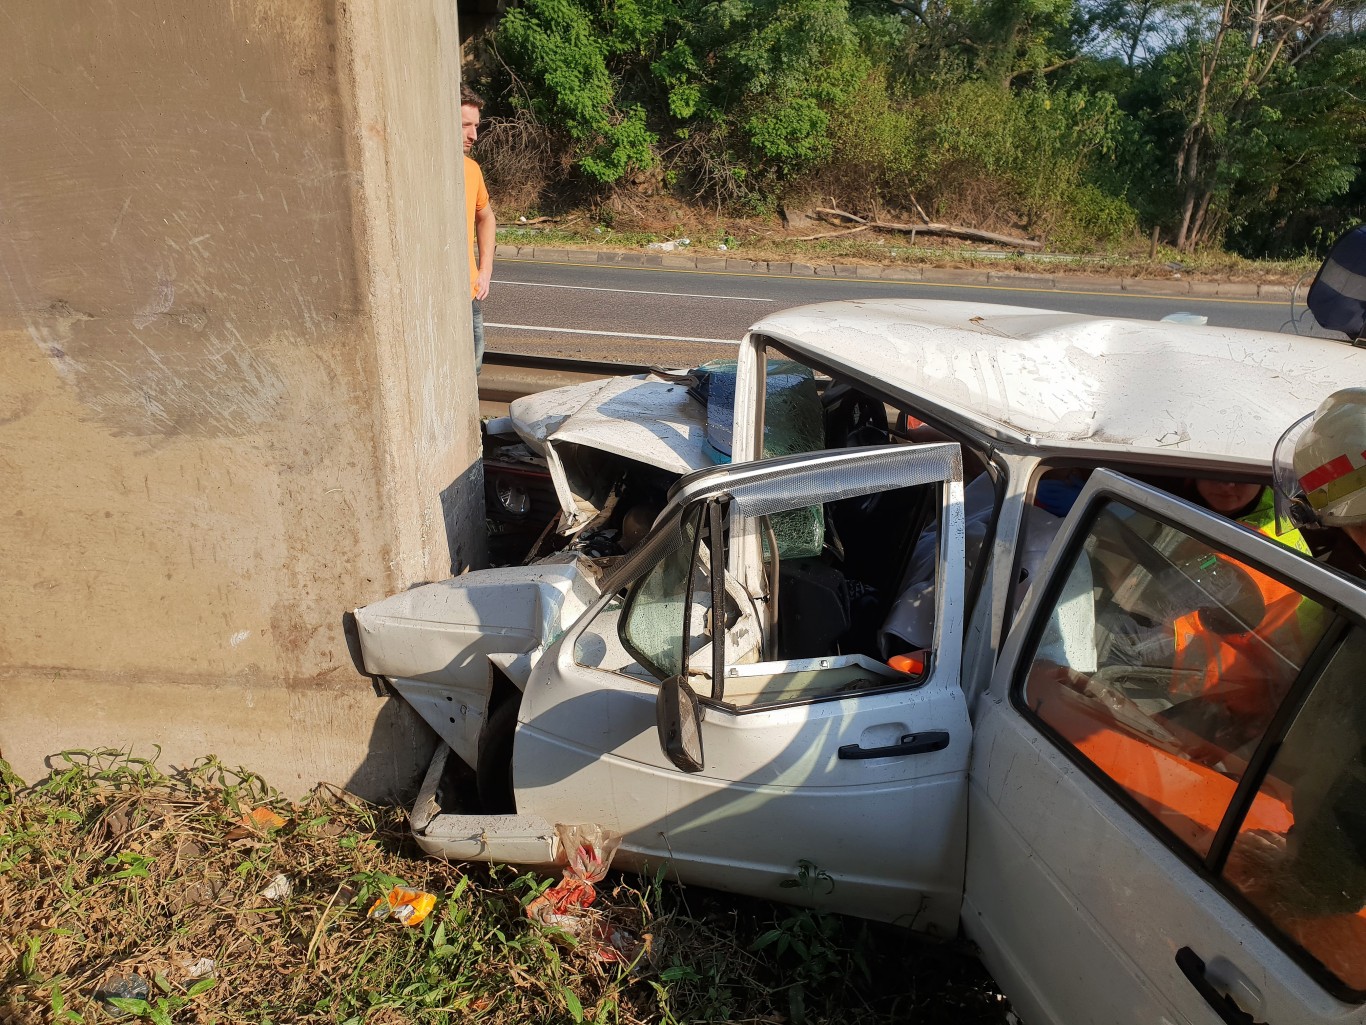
x=589, y=849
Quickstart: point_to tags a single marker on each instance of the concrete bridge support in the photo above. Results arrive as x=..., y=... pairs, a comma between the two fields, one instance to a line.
x=237, y=396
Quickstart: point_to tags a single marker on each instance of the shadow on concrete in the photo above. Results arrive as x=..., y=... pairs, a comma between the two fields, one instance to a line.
x=462, y=514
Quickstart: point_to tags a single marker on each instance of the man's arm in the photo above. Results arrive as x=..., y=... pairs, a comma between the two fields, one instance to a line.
x=485, y=232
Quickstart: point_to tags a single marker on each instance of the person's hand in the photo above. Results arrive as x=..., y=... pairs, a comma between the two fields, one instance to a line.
x=481, y=288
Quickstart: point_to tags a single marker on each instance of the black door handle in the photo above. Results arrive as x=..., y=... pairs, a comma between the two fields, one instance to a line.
x=909, y=744
x=1193, y=968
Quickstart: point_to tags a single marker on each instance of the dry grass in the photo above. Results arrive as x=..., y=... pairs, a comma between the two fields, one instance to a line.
x=630, y=222
x=111, y=868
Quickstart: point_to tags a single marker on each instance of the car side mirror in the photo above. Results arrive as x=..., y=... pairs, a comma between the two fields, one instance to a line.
x=678, y=719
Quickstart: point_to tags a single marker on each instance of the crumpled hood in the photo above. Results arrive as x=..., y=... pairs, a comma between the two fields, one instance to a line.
x=435, y=643
x=586, y=430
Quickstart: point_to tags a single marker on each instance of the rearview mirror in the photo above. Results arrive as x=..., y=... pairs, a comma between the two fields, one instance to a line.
x=678, y=719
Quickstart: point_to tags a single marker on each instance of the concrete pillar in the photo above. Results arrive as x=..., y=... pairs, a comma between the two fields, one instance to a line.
x=237, y=396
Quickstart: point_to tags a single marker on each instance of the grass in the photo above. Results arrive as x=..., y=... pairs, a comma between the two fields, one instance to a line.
x=765, y=242
x=112, y=869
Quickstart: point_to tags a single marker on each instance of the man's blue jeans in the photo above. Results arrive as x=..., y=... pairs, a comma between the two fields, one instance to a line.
x=478, y=336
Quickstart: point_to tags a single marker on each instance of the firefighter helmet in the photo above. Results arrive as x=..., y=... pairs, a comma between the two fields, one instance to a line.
x=1321, y=462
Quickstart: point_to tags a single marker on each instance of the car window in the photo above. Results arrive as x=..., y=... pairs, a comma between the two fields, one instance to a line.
x=827, y=611
x=1194, y=713
x=653, y=625
x=812, y=631
x=1310, y=881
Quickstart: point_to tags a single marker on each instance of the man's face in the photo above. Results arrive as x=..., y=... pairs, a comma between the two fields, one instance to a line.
x=1227, y=497
x=469, y=125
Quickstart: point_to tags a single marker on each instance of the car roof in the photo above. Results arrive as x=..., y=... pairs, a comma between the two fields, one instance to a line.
x=1073, y=384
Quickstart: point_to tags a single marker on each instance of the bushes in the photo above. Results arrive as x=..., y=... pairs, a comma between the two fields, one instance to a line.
x=980, y=154
x=1059, y=118
x=561, y=53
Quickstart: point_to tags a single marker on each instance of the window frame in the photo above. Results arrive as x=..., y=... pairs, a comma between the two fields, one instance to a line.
x=730, y=484
x=1035, y=614
x=677, y=541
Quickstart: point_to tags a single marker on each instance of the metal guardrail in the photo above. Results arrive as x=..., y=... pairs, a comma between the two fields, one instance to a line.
x=510, y=375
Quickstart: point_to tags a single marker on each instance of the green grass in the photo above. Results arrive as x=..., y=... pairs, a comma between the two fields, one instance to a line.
x=111, y=868
x=760, y=242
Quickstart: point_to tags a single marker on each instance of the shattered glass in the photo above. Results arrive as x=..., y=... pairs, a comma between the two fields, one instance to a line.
x=792, y=424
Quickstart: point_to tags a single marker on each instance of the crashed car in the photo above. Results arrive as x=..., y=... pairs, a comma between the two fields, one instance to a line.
x=974, y=656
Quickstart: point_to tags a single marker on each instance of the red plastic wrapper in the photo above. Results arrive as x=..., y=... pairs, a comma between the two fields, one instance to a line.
x=589, y=849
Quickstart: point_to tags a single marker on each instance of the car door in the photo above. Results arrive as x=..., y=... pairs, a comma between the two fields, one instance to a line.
x=831, y=769
x=1169, y=828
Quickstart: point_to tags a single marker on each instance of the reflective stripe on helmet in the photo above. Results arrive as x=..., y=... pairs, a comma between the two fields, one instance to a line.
x=1325, y=474
x=1348, y=283
x=1338, y=486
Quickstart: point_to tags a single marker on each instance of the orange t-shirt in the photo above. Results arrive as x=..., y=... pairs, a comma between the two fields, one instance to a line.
x=476, y=198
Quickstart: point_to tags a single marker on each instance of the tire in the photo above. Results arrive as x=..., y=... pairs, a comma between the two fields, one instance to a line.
x=494, y=772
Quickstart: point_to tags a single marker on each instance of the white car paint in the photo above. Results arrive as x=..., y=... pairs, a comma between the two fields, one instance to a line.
x=644, y=419
x=435, y=643
x=1077, y=906
x=1068, y=382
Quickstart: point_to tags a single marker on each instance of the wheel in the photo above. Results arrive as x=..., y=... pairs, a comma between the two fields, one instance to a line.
x=493, y=774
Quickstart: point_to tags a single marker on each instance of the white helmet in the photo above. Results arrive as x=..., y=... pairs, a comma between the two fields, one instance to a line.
x=1320, y=462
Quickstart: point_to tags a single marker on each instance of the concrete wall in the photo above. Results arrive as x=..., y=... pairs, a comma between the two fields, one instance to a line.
x=237, y=398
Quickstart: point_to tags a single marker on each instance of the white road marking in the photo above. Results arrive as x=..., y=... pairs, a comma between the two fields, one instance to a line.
x=612, y=334
x=637, y=291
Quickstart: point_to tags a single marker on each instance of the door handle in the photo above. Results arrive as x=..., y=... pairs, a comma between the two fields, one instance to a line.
x=1193, y=968
x=909, y=744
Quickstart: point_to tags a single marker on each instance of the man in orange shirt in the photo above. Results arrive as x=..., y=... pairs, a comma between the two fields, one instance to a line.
x=478, y=217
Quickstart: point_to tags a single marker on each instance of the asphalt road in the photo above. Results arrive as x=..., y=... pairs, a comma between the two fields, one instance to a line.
x=684, y=317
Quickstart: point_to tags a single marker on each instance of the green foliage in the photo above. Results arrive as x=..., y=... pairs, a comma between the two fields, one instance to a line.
x=1244, y=113
x=821, y=949
x=562, y=54
x=753, y=77
x=1293, y=169
x=965, y=149
x=1081, y=122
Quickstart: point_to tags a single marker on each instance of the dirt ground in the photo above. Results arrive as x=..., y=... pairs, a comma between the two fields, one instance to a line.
x=630, y=221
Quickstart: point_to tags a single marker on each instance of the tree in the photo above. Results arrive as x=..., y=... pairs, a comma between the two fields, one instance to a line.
x=1218, y=80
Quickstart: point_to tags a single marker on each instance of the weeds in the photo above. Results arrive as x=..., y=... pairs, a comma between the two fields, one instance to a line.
x=763, y=242
x=112, y=870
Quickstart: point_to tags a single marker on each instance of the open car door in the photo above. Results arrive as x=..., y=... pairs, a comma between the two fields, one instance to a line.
x=1171, y=827
x=809, y=758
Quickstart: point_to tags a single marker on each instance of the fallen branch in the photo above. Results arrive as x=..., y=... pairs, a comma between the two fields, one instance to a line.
x=932, y=228
x=832, y=234
x=522, y=222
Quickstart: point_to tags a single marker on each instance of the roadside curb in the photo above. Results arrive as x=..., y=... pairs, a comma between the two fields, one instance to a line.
x=1176, y=285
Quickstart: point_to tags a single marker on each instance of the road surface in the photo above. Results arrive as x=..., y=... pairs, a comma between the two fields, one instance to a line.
x=681, y=318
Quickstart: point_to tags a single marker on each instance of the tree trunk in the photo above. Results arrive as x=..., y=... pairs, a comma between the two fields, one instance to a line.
x=1188, y=169
x=1199, y=225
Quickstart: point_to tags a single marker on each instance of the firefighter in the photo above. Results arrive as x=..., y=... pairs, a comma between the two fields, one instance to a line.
x=1311, y=880
x=1320, y=465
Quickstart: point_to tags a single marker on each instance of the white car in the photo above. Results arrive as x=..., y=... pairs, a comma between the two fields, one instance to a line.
x=1118, y=744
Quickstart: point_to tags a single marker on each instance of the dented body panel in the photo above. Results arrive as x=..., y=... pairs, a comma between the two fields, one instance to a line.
x=1071, y=383
x=435, y=643
x=642, y=419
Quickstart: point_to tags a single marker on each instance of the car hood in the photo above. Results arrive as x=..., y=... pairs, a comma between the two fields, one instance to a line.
x=438, y=644
x=586, y=431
